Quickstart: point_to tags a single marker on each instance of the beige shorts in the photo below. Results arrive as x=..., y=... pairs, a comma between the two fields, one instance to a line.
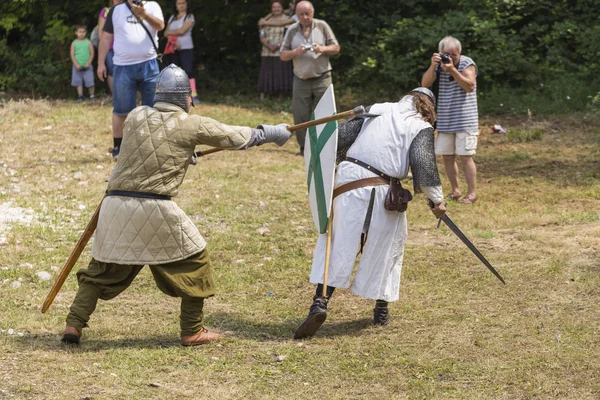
x=459, y=143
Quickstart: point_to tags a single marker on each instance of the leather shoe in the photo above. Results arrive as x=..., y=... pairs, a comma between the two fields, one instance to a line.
x=71, y=336
x=316, y=316
x=199, y=338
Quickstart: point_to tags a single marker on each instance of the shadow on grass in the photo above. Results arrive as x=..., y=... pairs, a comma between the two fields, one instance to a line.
x=238, y=326
x=51, y=342
x=232, y=325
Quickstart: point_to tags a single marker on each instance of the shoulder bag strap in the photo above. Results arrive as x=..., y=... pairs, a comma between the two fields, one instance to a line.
x=159, y=55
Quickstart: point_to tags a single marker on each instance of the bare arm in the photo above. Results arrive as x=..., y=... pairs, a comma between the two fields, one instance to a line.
x=430, y=75
x=103, y=48
x=465, y=79
x=153, y=21
x=187, y=25
x=92, y=54
x=278, y=22
x=101, y=22
x=326, y=50
x=73, y=56
x=287, y=55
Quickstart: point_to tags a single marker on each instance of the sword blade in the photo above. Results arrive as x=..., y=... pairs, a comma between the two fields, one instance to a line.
x=470, y=245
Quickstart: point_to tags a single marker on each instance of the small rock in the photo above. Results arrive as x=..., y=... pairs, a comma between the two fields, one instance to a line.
x=99, y=166
x=46, y=128
x=271, y=294
x=263, y=231
x=43, y=275
x=78, y=175
x=241, y=261
x=82, y=207
x=10, y=331
x=280, y=358
x=215, y=358
x=16, y=284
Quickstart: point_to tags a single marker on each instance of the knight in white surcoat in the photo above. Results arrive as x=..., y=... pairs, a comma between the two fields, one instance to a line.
x=374, y=154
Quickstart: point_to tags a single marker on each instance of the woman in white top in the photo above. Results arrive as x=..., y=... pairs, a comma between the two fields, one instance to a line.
x=180, y=25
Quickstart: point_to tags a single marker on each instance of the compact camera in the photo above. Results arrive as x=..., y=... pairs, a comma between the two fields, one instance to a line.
x=309, y=48
x=445, y=58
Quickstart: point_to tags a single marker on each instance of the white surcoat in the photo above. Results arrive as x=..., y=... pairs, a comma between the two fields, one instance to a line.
x=383, y=143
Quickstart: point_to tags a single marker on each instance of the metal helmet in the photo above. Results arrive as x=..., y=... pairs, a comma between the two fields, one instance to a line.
x=173, y=86
x=425, y=91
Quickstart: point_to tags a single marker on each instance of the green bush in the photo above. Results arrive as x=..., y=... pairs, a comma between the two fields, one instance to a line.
x=386, y=47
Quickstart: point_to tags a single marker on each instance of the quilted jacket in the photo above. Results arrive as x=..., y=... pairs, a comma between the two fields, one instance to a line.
x=155, y=154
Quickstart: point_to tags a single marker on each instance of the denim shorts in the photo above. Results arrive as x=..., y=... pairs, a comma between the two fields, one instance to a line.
x=128, y=79
x=109, y=62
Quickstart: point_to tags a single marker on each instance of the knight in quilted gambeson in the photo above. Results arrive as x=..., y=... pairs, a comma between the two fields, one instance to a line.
x=140, y=225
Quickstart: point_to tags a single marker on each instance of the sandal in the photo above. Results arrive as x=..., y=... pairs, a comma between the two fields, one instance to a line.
x=454, y=197
x=468, y=199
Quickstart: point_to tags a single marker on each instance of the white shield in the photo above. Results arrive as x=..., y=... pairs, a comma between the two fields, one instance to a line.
x=319, y=157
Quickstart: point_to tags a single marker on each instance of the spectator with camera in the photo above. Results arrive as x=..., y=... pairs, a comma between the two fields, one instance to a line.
x=455, y=77
x=134, y=25
x=309, y=43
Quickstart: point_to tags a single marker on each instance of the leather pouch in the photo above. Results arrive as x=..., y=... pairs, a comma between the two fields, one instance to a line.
x=397, y=197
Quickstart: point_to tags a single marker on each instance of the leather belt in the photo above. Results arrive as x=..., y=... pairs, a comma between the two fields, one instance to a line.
x=376, y=181
x=370, y=168
x=140, y=195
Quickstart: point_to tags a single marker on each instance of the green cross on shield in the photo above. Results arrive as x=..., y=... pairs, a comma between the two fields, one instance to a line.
x=315, y=170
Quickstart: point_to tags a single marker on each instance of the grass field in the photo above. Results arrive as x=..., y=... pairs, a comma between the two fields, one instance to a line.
x=456, y=332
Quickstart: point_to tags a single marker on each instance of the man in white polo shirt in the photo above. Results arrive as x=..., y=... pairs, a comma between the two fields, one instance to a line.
x=135, y=64
x=309, y=43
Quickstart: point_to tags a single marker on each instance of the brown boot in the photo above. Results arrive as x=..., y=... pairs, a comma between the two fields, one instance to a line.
x=199, y=338
x=71, y=336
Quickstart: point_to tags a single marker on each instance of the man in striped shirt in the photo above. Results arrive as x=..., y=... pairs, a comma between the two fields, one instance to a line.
x=458, y=119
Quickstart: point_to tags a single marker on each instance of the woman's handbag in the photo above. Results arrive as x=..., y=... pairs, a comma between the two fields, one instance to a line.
x=170, y=46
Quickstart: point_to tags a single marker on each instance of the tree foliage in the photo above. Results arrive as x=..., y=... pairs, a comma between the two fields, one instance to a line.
x=386, y=45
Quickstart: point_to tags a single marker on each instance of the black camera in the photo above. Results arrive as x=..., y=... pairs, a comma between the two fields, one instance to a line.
x=445, y=58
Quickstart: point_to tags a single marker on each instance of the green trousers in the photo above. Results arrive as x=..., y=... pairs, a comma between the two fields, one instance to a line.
x=305, y=97
x=191, y=279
